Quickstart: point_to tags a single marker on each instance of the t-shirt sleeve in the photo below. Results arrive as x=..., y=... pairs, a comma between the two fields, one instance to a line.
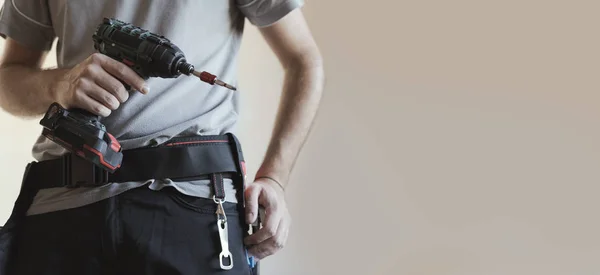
x=28, y=22
x=262, y=13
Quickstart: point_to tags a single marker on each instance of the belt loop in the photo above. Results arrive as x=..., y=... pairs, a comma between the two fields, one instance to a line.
x=216, y=180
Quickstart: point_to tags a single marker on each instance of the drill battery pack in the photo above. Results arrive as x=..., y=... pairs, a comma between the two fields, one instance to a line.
x=81, y=133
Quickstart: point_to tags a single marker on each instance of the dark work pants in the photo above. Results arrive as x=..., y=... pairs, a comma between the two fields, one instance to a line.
x=138, y=232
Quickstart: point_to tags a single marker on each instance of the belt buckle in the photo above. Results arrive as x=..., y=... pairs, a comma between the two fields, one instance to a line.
x=79, y=172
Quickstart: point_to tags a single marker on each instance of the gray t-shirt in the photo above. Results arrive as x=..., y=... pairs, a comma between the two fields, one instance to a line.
x=208, y=31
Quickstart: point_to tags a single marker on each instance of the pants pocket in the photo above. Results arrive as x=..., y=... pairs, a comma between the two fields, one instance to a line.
x=178, y=234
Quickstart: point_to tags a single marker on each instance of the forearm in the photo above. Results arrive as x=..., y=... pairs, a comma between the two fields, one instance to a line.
x=26, y=91
x=302, y=92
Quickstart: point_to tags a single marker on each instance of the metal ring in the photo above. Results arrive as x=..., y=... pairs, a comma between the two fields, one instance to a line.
x=220, y=200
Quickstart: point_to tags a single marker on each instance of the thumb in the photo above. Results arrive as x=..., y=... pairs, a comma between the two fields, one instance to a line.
x=252, y=193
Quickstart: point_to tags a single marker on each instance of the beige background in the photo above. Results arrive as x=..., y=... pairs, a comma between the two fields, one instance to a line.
x=455, y=137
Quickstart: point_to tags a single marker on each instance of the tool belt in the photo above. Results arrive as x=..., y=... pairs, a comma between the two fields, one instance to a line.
x=186, y=158
x=180, y=159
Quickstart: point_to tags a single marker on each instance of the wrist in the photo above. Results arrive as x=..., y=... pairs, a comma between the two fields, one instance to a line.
x=271, y=174
x=58, y=89
x=273, y=180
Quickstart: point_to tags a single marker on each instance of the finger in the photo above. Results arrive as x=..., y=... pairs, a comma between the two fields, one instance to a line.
x=112, y=85
x=252, y=193
x=87, y=103
x=124, y=73
x=273, y=216
x=279, y=240
x=102, y=96
x=269, y=229
x=260, y=251
x=272, y=245
x=282, y=237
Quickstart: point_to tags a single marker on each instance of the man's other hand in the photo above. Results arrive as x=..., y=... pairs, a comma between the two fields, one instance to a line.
x=271, y=238
x=95, y=85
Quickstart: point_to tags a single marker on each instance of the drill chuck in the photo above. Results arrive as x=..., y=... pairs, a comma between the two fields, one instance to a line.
x=185, y=68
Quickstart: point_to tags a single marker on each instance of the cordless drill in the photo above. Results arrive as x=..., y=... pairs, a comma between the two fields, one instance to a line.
x=146, y=53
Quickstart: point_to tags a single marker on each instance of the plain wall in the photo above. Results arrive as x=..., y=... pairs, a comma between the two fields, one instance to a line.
x=455, y=137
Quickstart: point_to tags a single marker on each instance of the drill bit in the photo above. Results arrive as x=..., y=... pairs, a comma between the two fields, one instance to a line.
x=221, y=83
x=212, y=79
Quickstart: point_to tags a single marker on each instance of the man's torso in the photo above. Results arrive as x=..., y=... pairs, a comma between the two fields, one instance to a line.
x=208, y=32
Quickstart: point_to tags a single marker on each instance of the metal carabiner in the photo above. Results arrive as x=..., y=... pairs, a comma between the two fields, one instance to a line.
x=223, y=236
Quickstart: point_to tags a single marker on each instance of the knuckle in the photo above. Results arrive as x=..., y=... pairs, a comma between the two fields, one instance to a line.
x=78, y=82
x=258, y=253
x=88, y=69
x=269, y=252
x=278, y=243
x=117, y=89
x=270, y=231
x=96, y=57
x=81, y=84
x=110, y=101
x=263, y=251
x=98, y=109
x=114, y=87
x=121, y=70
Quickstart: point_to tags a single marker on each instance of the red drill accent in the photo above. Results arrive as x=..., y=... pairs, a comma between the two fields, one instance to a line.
x=128, y=62
x=114, y=144
x=207, y=77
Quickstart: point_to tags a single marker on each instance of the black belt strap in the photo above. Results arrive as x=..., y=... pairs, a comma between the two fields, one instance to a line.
x=179, y=159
